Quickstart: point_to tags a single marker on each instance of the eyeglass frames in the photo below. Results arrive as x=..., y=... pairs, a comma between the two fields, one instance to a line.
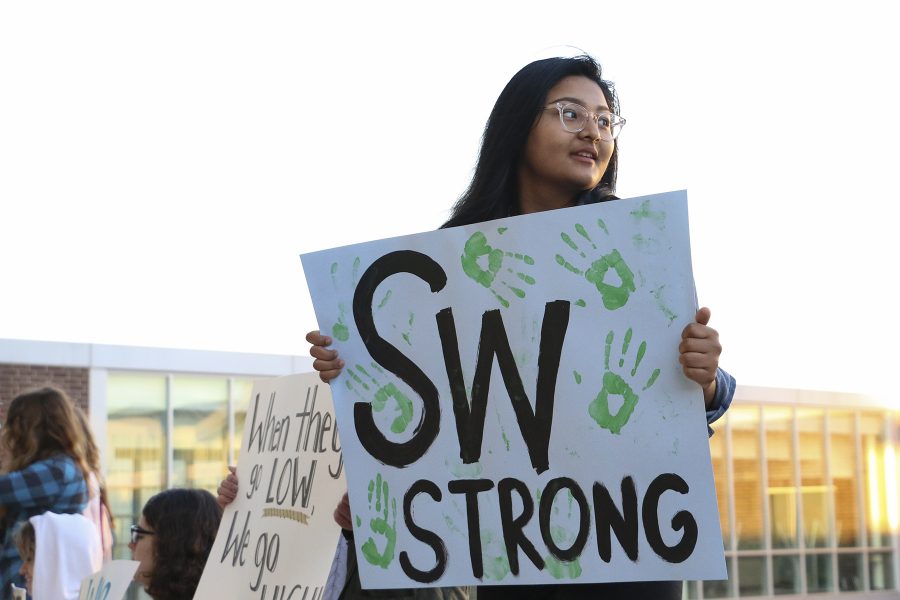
x=137, y=531
x=574, y=118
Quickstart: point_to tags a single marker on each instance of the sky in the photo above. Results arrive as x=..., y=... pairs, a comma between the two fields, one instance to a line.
x=164, y=164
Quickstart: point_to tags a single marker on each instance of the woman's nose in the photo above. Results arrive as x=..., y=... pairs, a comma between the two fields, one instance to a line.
x=591, y=129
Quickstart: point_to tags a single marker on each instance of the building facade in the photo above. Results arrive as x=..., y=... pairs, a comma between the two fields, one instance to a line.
x=807, y=482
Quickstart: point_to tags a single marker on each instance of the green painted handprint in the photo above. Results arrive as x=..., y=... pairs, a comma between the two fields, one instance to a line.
x=383, y=393
x=615, y=384
x=407, y=333
x=340, y=330
x=383, y=524
x=493, y=551
x=614, y=295
x=564, y=537
x=646, y=212
x=483, y=263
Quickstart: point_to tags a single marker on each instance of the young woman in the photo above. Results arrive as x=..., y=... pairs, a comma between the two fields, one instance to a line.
x=550, y=143
x=172, y=541
x=43, y=469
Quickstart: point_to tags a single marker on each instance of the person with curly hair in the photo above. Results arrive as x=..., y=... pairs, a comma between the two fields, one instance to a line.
x=42, y=469
x=172, y=541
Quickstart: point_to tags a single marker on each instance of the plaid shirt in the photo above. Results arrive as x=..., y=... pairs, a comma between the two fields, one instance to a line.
x=725, y=385
x=54, y=484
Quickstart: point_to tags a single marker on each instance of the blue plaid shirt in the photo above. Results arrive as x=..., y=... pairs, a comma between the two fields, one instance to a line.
x=725, y=385
x=54, y=484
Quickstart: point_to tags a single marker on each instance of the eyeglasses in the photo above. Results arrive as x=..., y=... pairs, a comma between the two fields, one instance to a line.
x=574, y=118
x=137, y=531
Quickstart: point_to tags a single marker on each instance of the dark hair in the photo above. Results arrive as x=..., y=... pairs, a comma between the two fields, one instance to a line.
x=41, y=424
x=493, y=192
x=184, y=522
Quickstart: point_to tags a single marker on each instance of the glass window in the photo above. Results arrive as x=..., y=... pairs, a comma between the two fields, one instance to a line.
x=719, y=588
x=720, y=472
x=240, y=394
x=871, y=429
x=200, y=440
x=818, y=573
x=752, y=575
x=843, y=478
x=881, y=572
x=782, y=483
x=748, y=507
x=136, y=447
x=892, y=479
x=850, y=572
x=786, y=574
x=813, y=478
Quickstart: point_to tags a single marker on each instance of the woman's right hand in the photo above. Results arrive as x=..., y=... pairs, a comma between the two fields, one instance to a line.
x=228, y=489
x=326, y=361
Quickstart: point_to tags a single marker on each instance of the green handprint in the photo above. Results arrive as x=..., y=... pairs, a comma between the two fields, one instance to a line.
x=562, y=536
x=383, y=393
x=406, y=334
x=339, y=330
x=646, y=212
x=615, y=385
x=477, y=249
x=613, y=295
x=493, y=552
x=383, y=524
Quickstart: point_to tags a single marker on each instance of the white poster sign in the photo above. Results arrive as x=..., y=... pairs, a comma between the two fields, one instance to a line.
x=109, y=583
x=278, y=537
x=512, y=405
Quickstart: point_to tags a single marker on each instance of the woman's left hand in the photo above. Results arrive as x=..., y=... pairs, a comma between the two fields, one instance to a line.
x=699, y=354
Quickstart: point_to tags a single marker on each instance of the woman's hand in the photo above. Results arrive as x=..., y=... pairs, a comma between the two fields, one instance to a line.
x=228, y=489
x=699, y=354
x=326, y=361
x=342, y=513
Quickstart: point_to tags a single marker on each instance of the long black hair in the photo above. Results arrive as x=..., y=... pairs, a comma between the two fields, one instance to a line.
x=493, y=192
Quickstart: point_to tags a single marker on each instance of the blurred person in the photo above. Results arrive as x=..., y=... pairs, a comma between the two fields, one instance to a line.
x=172, y=541
x=58, y=552
x=44, y=469
x=97, y=510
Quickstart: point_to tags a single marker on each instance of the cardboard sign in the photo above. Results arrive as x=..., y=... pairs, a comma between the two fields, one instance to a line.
x=109, y=583
x=512, y=406
x=278, y=537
